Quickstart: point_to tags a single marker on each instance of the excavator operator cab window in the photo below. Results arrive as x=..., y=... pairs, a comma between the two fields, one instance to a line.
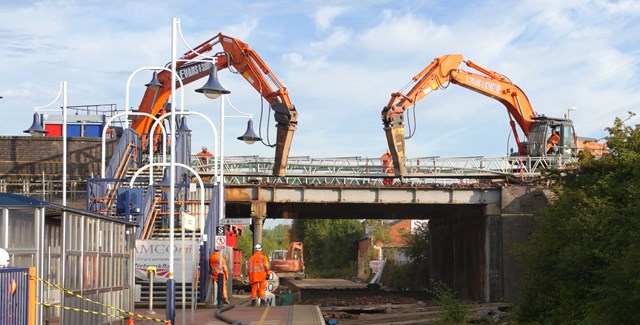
x=553, y=141
x=567, y=140
x=278, y=255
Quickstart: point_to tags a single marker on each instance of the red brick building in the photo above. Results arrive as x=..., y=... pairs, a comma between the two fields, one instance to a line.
x=396, y=245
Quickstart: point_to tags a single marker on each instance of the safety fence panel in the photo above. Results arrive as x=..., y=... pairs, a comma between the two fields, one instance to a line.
x=17, y=300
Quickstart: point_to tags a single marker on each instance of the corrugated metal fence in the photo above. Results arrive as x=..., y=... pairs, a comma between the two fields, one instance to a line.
x=17, y=296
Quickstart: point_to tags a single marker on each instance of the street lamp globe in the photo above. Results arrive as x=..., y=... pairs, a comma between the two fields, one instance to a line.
x=36, y=129
x=213, y=89
x=249, y=136
x=154, y=84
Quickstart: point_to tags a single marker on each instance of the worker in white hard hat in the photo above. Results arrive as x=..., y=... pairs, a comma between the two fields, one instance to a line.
x=259, y=272
x=4, y=258
x=203, y=157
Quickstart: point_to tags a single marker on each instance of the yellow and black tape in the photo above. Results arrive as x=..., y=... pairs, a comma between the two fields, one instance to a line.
x=127, y=313
x=80, y=310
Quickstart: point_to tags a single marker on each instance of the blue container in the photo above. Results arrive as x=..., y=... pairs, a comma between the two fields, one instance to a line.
x=74, y=130
x=93, y=130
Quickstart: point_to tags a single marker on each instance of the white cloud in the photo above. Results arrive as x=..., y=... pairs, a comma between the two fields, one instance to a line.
x=243, y=29
x=294, y=59
x=338, y=37
x=325, y=15
x=340, y=61
x=401, y=33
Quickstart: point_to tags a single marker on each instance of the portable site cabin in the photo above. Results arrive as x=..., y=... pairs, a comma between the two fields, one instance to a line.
x=88, y=255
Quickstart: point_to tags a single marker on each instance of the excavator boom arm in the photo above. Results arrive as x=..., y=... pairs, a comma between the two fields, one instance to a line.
x=438, y=74
x=246, y=62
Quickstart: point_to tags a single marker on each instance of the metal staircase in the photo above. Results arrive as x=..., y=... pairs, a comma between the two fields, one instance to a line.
x=155, y=226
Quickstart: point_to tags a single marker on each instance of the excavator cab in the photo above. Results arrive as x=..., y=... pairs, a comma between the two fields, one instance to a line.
x=541, y=130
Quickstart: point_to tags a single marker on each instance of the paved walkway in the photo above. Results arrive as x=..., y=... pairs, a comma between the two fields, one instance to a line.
x=269, y=315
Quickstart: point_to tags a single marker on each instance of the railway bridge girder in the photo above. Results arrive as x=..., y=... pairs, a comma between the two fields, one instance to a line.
x=472, y=227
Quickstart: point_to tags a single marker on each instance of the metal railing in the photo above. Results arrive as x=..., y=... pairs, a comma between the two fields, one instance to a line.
x=363, y=171
x=332, y=170
x=45, y=189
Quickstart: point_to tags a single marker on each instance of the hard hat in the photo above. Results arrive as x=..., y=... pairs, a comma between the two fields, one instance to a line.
x=4, y=258
x=204, y=148
x=258, y=247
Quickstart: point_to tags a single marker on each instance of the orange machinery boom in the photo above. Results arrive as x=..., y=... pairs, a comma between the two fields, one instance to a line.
x=247, y=63
x=445, y=69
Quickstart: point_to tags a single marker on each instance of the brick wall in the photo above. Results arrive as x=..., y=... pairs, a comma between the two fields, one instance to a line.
x=25, y=157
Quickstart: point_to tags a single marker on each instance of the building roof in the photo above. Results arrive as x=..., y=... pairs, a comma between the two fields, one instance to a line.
x=15, y=200
x=9, y=200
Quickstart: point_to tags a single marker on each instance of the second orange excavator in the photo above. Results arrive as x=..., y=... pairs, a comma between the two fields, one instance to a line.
x=288, y=263
x=537, y=140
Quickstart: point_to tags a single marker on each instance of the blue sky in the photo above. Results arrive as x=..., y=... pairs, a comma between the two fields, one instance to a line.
x=340, y=61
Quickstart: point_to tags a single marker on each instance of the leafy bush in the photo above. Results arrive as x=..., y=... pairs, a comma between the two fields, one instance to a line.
x=581, y=264
x=453, y=311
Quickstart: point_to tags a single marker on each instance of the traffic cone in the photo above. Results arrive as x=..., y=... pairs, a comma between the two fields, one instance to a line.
x=130, y=322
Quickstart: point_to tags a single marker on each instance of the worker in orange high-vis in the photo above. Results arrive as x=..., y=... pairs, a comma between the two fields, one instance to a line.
x=259, y=272
x=387, y=167
x=214, y=259
x=204, y=158
x=553, y=141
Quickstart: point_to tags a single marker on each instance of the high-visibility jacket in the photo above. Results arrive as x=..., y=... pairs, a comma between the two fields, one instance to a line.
x=215, y=268
x=387, y=163
x=258, y=267
x=203, y=157
x=553, y=140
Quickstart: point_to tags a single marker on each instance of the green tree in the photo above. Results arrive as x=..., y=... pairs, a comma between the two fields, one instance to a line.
x=378, y=230
x=418, y=250
x=245, y=243
x=272, y=239
x=581, y=264
x=279, y=235
x=330, y=246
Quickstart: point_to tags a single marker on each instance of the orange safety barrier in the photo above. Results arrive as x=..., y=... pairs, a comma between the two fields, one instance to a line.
x=31, y=312
x=151, y=221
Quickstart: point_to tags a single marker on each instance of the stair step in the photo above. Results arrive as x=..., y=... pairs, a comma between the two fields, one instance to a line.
x=160, y=292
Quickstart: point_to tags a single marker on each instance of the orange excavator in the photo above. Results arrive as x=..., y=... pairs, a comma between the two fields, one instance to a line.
x=537, y=140
x=247, y=63
x=288, y=263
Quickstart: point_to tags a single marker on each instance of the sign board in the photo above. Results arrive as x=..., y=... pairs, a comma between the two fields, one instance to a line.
x=220, y=231
x=190, y=70
x=221, y=242
x=235, y=221
x=416, y=224
x=375, y=265
x=156, y=253
x=273, y=283
x=188, y=221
